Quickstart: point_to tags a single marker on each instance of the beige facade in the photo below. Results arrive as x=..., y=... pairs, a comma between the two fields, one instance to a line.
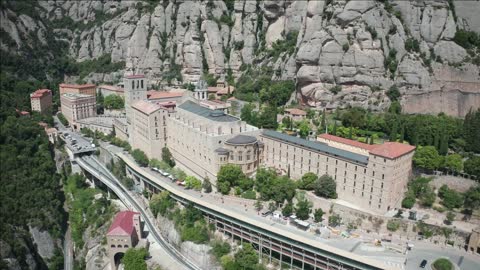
x=120, y=127
x=194, y=134
x=86, y=89
x=41, y=100
x=242, y=150
x=376, y=181
x=103, y=124
x=77, y=106
x=148, y=128
x=108, y=90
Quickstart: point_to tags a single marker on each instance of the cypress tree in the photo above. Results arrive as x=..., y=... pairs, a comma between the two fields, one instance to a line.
x=402, y=134
x=436, y=141
x=393, y=132
x=443, y=144
x=323, y=123
x=350, y=132
x=334, y=132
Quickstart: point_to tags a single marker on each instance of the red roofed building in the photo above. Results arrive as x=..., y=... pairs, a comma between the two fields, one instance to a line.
x=41, y=100
x=292, y=113
x=164, y=96
x=124, y=233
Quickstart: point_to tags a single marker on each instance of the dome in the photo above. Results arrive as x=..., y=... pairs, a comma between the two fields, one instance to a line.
x=242, y=139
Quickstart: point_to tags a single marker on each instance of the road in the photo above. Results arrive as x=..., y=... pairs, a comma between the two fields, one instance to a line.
x=114, y=184
x=68, y=251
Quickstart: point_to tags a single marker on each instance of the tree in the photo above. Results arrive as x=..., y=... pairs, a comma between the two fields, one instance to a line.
x=334, y=132
x=354, y=117
x=207, y=185
x=427, y=157
x=310, y=113
x=450, y=218
x=287, y=122
x=246, y=257
x=450, y=198
x=443, y=148
x=393, y=225
x=283, y=188
x=472, y=166
x=318, y=215
x=304, y=129
x=228, y=176
x=161, y=203
x=100, y=101
x=193, y=183
x=334, y=220
x=134, y=259
x=114, y=102
x=323, y=123
x=393, y=93
x=326, y=187
x=258, y=205
x=287, y=209
x=409, y=200
x=272, y=207
x=443, y=264
x=454, y=163
x=472, y=130
x=248, y=114
x=140, y=157
x=303, y=209
x=220, y=249
x=472, y=198
x=307, y=182
x=167, y=157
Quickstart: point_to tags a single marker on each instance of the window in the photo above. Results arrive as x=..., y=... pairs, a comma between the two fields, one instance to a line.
x=371, y=189
x=382, y=185
x=240, y=153
x=383, y=176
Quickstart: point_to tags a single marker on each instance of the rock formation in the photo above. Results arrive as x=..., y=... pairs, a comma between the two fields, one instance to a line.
x=357, y=45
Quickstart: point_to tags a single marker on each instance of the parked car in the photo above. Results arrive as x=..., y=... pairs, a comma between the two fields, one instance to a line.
x=171, y=177
x=164, y=173
x=423, y=264
x=266, y=213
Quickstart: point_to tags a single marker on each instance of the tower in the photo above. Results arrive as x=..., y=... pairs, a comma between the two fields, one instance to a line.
x=201, y=91
x=135, y=89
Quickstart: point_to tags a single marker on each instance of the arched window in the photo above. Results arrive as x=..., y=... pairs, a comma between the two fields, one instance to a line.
x=119, y=246
x=133, y=85
x=113, y=246
x=125, y=246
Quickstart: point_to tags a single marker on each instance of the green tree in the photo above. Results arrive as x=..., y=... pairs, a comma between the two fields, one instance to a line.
x=393, y=225
x=258, y=205
x=207, y=185
x=443, y=264
x=307, y=182
x=228, y=176
x=161, y=203
x=304, y=129
x=287, y=122
x=246, y=257
x=472, y=198
x=140, y=157
x=427, y=157
x=167, y=157
x=354, y=117
x=114, y=102
x=100, y=102
x=287, y=209
x=323, y=123
x=450, y=198
x=454, y=163
x=219, y=249
x=283, y=188
x=326, y=187
x=318, y=215
x=334, y=220
x=409, y=200
x=450, y=218
x=472, y=130
x=393, y=93
x=134, y=259
x=193, y=183
x=472, y=166
x=303, y=209
x=248, y=114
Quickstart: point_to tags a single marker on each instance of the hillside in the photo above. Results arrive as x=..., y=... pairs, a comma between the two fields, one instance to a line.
x=365, y=47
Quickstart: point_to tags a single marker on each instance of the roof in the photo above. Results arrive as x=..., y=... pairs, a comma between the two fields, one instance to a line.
x=354, y=143
x=122, y=224
x=392, y=150
x=317, y=146
x=296, y=111
x=213, y=115
x=137, y=76
x=221, y=150
x=75, y=95
x=146, y=107
x=40, y=93
x=242, y=139
x=153, y=94
x=226, y=90
x=214, y=89
x=111, y=88
x=77, y=85
x=51, y=130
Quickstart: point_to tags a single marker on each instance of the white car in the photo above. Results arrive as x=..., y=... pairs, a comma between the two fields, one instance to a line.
x=164, y=173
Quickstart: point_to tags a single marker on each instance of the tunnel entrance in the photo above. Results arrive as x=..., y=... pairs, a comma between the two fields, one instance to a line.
x=117, y=258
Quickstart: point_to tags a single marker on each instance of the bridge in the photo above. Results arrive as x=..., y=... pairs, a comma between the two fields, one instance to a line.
x=272, y=242
x=100, y=173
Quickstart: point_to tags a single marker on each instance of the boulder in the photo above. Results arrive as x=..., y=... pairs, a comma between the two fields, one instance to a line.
x=450, y=51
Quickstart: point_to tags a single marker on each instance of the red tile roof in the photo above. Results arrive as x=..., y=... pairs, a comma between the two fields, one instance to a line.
x=40, y=93
x=79, y=86
x=353, y=143
x=152, y=94
x=138, y=76
x=122, y=224
x=111, y=88
x=392, y=150
x=296, y=111
x=146, y=107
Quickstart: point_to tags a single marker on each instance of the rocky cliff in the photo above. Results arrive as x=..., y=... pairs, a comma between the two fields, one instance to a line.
x=364, y=47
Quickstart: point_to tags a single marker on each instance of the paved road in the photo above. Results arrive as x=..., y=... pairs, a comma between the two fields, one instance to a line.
x=129, y=200
x=68, y=251
x=463, y=260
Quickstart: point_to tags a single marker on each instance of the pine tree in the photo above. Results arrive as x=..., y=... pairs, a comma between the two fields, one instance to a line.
x=393, y=132
x=334, y=132
x=323, y=123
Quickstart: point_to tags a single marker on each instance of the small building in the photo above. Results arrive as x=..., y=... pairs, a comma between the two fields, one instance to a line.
x=77, y=106
x=52, y=134
x=474, y=241
x=107, y=90
x=125, y=232
x=293, y=113
x=85, y=89
x=221, y=90
x=41, y=100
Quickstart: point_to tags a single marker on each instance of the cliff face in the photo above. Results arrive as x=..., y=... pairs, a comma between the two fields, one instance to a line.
x=363, y=46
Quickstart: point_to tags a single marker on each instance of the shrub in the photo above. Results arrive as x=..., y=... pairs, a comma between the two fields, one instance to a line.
x=372, y=31
x=443, y=264
x=336, y=89
x=409, y=200
x=393, y=225
x=334, y=220
x=345, y=47
x=412, y=45
x=326, y=187
x=140, y=157
x=62, y=119
x=249, y=194
x=393, y=93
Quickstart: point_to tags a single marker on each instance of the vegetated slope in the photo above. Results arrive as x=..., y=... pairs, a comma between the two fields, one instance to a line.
x=364, y=47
